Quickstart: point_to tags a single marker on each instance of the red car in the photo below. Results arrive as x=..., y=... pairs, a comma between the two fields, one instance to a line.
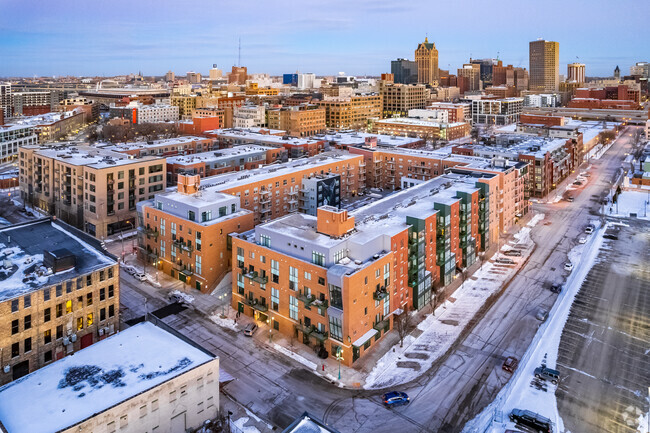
x=510, y=364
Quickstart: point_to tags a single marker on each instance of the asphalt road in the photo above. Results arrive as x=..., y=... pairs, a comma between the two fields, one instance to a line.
x=603, y=354
x=444, y=399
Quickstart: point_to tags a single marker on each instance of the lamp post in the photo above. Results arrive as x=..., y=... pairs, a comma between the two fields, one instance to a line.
x=339, y=358
x=270, y=331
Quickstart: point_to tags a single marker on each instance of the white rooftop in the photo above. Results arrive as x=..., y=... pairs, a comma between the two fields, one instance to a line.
x=43, y=119
x=409, y=121
x=88, y=156
x=217, y=155
x=94, y=379
x=249, y=134
x=136, y=145
x=351, y=138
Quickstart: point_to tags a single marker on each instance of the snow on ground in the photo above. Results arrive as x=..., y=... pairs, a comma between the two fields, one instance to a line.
x=518, y=393
x=307, y=363
x=224, y=322
x=631, y=202
x=240, y=426
x=523, y=235
x=187, y=298
x=440, y=331
x=225, y=285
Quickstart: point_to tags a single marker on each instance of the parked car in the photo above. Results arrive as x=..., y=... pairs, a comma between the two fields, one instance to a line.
x=589, y=229
x=541, y=315
x=510, y=364
x=570, y=199
x=514, y=253
x=556, y=288
x=250, y=329
x=505, y=260
x=568, y=266
x=531, y=419
x=549, y=374
x=577, y=182
x=395, y=398
x=139, y=276
x=582, y=240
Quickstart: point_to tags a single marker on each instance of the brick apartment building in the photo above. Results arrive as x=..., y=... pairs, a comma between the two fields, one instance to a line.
x=428, y=130
x=353, y=112
x=58, y=295
x=93, y=189
x=298, y=121
x=238, y=158
x=185, y=145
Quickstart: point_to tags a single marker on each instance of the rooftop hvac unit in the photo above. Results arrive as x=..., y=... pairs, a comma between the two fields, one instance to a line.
x=100, y=332
x=66, y=341
x=73, y=338
x=7, y=368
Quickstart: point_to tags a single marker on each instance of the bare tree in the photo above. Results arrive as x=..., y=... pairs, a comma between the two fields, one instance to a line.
x=403, y=326
x=481, y=257
x=463, y=276
x=433, y=300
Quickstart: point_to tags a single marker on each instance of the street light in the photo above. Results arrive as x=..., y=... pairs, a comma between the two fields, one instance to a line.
x=339, y=358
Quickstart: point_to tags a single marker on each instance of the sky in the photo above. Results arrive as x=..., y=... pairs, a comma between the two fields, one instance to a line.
x=358, y=37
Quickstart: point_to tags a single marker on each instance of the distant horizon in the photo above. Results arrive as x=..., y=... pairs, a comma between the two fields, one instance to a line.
x=78, y=38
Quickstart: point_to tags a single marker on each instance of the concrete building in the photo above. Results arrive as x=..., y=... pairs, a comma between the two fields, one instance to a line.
x=426, y=57
x=404, y=71
x=51, y=127
x=12, y=137
x=470, y=77
x=441, y=116
x=426, y=129
x=641, y=69
x=496, y=111
x=249, y=116
x=93, y=189
x=215, y=73
x=194, y=77
x=147, y=378
x=306, y=81
x=138, y=113
x=540, y=100
x=238, y=158
x=59, y=293
x=352, y=112
x=35, y=103
x=544, y=66
x=459, y=112
x=576, y=72
x=348, y=139
x=398, y=99
x=170, y=77
x=298, y=121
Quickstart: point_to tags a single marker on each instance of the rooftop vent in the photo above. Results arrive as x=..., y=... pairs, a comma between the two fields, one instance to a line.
x=59, y=260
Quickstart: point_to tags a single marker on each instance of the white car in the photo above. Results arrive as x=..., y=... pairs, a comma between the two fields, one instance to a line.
x=139, y=276
x=589, y=229
x=568, y=266
x=582, y=240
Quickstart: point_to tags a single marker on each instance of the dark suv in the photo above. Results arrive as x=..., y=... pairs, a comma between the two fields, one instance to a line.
x=547, y=374
x=531, y=419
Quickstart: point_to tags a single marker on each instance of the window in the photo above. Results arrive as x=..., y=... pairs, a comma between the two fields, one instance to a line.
x=68, y=307
x=59, y=332
x=80, y=323
x=172, y=396
x=59, y=290
x=15, y=327
x=293, y=307
x=111, y=291
x=28, y=344
x=47, y=336
x=307, y=276
x=335, y=296
x=293, y=278
x=265, y=240
x=28, y=321
x=102, y=314
x=89, y=319
x=275, y=271
x=15, y=350
x=197, y=265
x=111, y=310
x=89, y=299
x=321, y=281
x=14, y=305
x=89, y=280
x=102, y=294
x=336, y=330
x=154, y=405
x=199, y=407
x=102, y=277
x=46, y=315
x=275, y=299
x=46, y=294
x=47, y=357
x=68, y=287
x=27, y=301
x=318, y=258
x=59, y=310
x=339, y=255
x=110, y=272
x=143, y=411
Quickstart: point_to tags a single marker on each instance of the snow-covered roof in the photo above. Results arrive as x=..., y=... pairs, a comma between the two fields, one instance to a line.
x=22, y=249
x=307, y=423
x=95, y=379
x=408, y=121
x=43, y=119
x=218, y=155
x=352, y=138
x=89, y=156
x=137, y=145
x=255, y=137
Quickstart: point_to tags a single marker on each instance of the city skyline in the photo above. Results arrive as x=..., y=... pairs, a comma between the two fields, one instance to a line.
x=325, y=38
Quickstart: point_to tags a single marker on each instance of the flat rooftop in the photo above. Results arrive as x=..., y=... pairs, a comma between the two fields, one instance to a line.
x=42, y=119
x=95, y=379
x=22, y=247
x=218, y=155
x=238, y=178
x=409, y=121
x=94, y=157
x=137, y=145
x=354, y=138
x=248, y=134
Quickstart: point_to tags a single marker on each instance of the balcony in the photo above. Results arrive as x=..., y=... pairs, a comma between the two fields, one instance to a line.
x=383, y=325
x=312, y=331
x=257, y=305
x=307, y=299
x=380, y=294
x=256, y=277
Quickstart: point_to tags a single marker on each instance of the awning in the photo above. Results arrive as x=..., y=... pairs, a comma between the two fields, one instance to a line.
x=364, y=338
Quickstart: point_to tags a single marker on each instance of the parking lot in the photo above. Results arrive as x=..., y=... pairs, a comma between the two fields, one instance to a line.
x=603, y=354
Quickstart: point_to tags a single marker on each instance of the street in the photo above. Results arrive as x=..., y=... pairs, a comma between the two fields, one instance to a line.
x=444, y=398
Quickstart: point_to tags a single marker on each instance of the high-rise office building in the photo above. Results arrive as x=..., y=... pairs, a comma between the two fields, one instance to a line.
x=544, y=65
x=5, y=99
x=641, y=68
x=194, y=77
x=576, y=72
x=170, y=76
x=215, y=73
x=486, y=66
x=405, y=71
x=426, y=57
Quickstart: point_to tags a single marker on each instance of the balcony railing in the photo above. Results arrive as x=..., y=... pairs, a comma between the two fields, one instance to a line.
x=256, y=277
x=255, y=303
x=383, y=325
x=380, y=294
